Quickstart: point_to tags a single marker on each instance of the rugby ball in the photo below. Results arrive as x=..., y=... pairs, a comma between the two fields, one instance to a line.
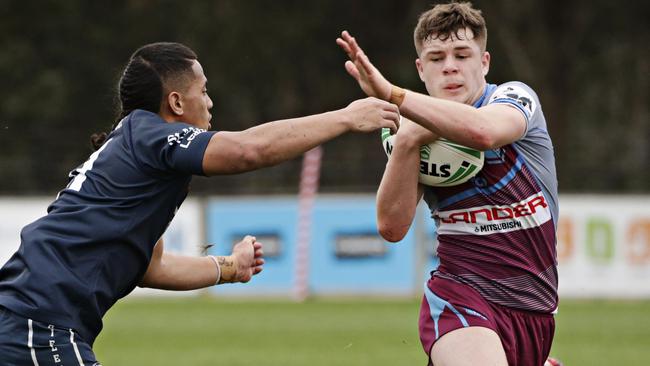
x=442, y=163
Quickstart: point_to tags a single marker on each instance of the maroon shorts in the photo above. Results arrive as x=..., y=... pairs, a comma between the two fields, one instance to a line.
x=447, y=305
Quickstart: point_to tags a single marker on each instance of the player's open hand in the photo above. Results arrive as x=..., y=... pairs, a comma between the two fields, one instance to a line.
x=370, y=114
x=249, y=259
x=371, y=81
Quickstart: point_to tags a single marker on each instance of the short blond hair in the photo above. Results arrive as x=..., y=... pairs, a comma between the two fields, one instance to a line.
x=446, y=20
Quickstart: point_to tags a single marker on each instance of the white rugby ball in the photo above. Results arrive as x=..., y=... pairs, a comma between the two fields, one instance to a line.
x=442, y=163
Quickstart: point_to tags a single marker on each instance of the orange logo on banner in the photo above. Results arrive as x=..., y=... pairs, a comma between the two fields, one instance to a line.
x=564, y=239
x=638, y=242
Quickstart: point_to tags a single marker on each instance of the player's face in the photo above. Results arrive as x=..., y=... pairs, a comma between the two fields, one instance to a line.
x=196, y=102
x=454, y=69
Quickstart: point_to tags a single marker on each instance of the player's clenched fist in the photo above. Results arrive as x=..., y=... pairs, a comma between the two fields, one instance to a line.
x=245, y=261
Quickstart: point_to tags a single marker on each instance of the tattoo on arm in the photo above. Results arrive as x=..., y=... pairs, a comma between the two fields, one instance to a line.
x=228, y=269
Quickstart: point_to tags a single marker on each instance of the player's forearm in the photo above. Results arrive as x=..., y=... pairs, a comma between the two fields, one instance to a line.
x=286, y=139
x=455, y=121
x=272, y=143
x=180, y=273
x=398, y=194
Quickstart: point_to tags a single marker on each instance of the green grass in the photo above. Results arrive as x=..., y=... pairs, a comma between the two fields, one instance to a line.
x=208, y=331
x=603, y=333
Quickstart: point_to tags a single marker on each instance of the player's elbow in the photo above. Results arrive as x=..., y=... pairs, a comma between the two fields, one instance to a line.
x=256, y=153
x=152, y=276
x=483, y=144
x=393, y=220
x=485, y=136
x=482, y=140
x=391, y=233
x=251, y=157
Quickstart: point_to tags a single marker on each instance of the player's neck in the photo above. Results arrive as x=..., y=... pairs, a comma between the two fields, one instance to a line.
x=479, y=93
x=168, y=116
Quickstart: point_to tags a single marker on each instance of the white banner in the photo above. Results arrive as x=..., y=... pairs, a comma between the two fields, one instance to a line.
x=183, y=236
x=15, y=213
x=604, y=246
x=603, y=241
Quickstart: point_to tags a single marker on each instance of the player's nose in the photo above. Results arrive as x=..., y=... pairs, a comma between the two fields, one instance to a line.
x=449, y=66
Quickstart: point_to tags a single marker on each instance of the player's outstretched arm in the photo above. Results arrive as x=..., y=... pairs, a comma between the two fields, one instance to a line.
x=274, y=142
x=484, y=128
x=169, y=271
x=399, y=191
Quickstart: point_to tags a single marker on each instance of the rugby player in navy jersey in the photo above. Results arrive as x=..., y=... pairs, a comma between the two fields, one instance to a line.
x=101, y=236
x=492, y=298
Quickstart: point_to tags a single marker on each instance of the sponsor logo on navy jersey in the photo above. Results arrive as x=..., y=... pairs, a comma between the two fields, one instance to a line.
x=185, y=137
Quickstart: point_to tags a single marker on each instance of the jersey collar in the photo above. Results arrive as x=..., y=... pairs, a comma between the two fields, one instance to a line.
x=489, y=88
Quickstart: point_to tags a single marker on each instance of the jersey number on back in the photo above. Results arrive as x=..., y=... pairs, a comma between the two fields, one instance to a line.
x=80, y=173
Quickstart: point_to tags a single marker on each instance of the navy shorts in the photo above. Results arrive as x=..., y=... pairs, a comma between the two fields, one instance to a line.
x=25, y=341
x=447, y=305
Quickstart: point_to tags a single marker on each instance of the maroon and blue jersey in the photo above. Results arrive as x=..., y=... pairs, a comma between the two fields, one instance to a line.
x=496, y=232
x=96, y=241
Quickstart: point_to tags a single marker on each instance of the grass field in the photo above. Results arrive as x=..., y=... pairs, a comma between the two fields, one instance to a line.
x=207, y=331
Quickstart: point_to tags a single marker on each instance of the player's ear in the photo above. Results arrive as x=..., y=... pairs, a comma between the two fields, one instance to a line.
x=175, y=101
x=418, y=65
x=485, y=62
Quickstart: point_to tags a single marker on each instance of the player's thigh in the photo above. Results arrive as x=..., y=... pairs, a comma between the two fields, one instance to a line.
x=469, y=346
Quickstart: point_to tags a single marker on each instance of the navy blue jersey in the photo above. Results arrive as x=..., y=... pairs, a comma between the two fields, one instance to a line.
x=95, y=243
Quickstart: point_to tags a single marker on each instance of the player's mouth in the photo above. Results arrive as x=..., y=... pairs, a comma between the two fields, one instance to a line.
x=452, y=87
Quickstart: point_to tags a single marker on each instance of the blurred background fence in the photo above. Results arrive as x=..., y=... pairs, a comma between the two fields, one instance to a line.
x=589, y=61
x=603, y=245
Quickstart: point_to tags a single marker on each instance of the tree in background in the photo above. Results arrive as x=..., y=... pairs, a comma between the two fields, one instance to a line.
x=267, y=60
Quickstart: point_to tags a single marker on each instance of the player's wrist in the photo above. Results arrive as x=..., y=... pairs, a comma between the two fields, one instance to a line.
x=218, y=267
x=227, y=269
x=397, y=95
x=346, y=117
